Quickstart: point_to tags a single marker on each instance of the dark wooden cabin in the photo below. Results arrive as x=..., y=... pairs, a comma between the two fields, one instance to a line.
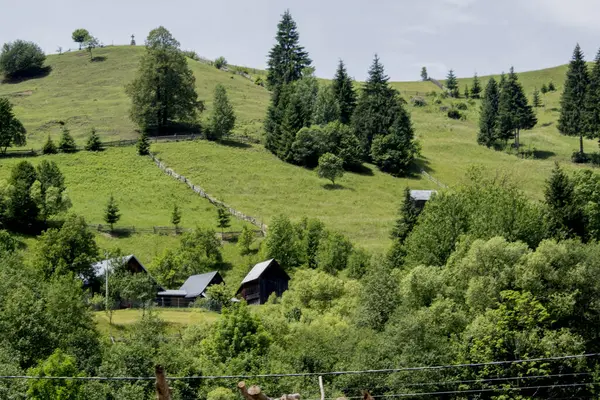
x=263, y=279
x=194, y=287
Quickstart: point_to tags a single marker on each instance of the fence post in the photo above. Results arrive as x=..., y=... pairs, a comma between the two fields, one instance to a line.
x=162, y=389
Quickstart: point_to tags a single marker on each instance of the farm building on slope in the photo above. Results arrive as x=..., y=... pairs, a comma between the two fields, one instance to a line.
x=194, y=287
x=263, y=279
x=420, y=197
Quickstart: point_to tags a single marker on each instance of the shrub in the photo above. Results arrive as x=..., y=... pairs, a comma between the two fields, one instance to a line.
x=580, y=158
x=454, y=114
x=437, y=101
x=220, y=62
x=462, y=106
x=191, y=54
x=21, y=58
x=595, y=159
x=259, y=81
x=551, y=87
x=418, y=101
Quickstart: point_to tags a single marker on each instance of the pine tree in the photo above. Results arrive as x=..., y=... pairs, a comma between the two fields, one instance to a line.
x=111, y=212
x=143, y=144
x=544, y=89
x=93, y=142
x=222, y=120
x=514, y=112
x=287, y=59
x=424, y=76
x=327, y=108
x=452, y=84
x=275, y=114
x=290, y=125
x=502, y=81
x=466, y=91
x=572, y=121
x=536, y=102
x=223, y=218
x=377, y=108
x=489, y=114
x=176, y=217
x=407, y=219
x=592, y=101
x=343, y=88
x=564, y=217
x=49, y=147
x=551, y=87
x=67, y=143
x=476, y=88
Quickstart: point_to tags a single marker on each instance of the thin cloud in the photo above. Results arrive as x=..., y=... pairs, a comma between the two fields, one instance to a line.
x=573, y=13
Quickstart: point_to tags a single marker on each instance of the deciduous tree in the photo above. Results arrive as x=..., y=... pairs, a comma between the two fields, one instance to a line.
x=424, y=76
x=330, y=167
x=12, y=132
x=21, y=58
x=80, y=36
x=327, y=108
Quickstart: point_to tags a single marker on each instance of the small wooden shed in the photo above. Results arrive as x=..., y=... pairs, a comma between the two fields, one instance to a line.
x=263, y=279
x=420, y=197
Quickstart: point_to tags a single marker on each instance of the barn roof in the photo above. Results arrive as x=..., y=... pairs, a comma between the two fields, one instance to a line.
x=257, y=271
x=178, y=293
x=422, y=195
x=100, y=267
x=195, y=285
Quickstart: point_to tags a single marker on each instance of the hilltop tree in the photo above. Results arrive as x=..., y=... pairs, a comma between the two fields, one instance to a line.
x=330, y=167
x=111, y=212
x=223, y=118
x=395, y=152
x=164, y=90
x=489, y=114
x=143, y=144
x=12, y=132
x=572, y=121
x=476, y=88
x=452, y=84
x=327, y=108
x=223, y=218
x=343, y=88
x=514, y=112
x=287, y=59
x=67, y=143
x=93, y=142
x=592, y=100
x=537, y=101
x=176, y=217
x=90, y=44
x=49, y=147
x=80, y=36
x=424, y=76
x=21, y=58
x=377, y=108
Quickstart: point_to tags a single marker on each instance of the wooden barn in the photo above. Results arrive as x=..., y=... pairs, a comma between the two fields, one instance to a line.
x=263, y=279
x=194, y=287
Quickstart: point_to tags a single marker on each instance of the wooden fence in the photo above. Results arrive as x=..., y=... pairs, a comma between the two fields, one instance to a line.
x=202, y=193
x=163, y=230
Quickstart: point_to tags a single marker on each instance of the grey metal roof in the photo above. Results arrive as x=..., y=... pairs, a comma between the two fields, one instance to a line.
x=257, y=271
x=100, y=267
x=422, y=195
x=195, y=285
x=172, y=293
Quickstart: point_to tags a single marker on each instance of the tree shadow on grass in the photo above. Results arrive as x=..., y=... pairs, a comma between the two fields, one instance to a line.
x=547, y=124
x=98, y=59
x=35, y=73
x=361, y=170
x=237, y=145
x=417, y=168
x=120, y=233
x=336, y=186
x=543, y=154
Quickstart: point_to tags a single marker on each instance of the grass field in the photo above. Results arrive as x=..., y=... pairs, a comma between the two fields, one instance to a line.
x=86, y=94
x=176, y=320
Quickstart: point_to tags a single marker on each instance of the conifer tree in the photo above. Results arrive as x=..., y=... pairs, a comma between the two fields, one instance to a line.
x=377, y=108
x=514, y=112
x=466, y=91
x=544, y=89
x=452, y=84
x=476, y=88
x=223, y=218
x=222, y=119
x=572, y=121
x=592, y=101
x=111, y=212
x=176, y=217
x=502, y=81
x=489, y=114
x=536, y=102
x=143, y=144
x=564, y=217
x=327, y=108
x=343, y=88
x=287, y=59
x=93, y=142
x=407, y=219
x=275, y=114
x=67, y=143
x=49, y=147
x=424, y=76
x=551, y=87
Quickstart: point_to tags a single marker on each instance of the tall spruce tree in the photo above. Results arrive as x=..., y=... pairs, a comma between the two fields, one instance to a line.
x=489, y=114
x=343, y=88
x=514, y=112
x=377, y=109
x=536, y=101
x=572, y=121
x=222, y=120
x=407, y=219
x=467, y=91
x=287, y=59
x=476, y=88
x=564, y=217
x=452, y=84
x=592, y=101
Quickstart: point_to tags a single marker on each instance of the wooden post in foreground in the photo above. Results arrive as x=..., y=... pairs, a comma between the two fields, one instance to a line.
x=321, y=388
x=162, y=389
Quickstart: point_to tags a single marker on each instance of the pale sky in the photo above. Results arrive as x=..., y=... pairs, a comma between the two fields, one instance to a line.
x=486, y=36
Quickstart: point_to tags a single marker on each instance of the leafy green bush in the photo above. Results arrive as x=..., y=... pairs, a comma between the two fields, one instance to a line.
x=461, y=106
x=21, y=58
x=220, y=63
x=454, y=114
x=418, y=101
x=580, y=158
